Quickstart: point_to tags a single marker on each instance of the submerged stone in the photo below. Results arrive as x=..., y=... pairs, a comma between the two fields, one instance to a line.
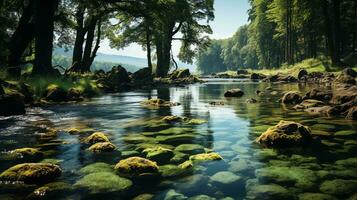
x=196, y=121
x=96, y=167
x=159, y=154
x=145, y=196
x=339, y=187
x=190, y=148
x=225, y=178
x=302, y=178
x=96, y=137
x=103, y=182
x=316, y=196
x=173, y=195
x=349, y=162
x=170, y=171
x=179, y=157
x=127, y=154
x=32, y=173
x=285, y=134
x=234, y=93
x=54, y=190
x=268, y=192
x=202, y=197
x=346, y=133
x=137, y=167
x=177, y=139
x=102, y=147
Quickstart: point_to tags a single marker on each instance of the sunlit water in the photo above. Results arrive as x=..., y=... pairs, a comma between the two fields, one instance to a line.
x=230, y=131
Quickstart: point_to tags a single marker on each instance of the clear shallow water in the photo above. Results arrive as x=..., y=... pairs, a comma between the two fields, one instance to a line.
x=231, y=130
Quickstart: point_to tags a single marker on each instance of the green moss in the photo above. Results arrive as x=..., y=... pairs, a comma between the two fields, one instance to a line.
x=26, y=153
x=55, y=189
x=157, y=103
x=102, y=147
x=271, y=191
x=96, y=167
x=96, y=137
x=103, y=182
x=159, y=154
x=179, y=157
x=31, y=173
x=196, y=121
x=190, y=148
x=137, y=167
x=206, y=157
x=170, y=171
x=339, y=187
x=51, y=161
x=176, y=139
x=316, y=196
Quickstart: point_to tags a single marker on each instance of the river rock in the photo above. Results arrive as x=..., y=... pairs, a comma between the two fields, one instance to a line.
x=171, y=171
x=344, y=94
x=303, y=74
x=142, y=75
x=179, y=74
x=137, y=167
x=96, y=137
x=26, y=153
x=118, y=75
x=103, y=182
x=285, y=134
x=96, y=167
x=347, y=76
x=234, y=93
x=319, y=94
x=268, y=192
x=308, y=103
x=32, y=173
x=294, y=176
x=159, y=154
x=339, y=187
x=206, y=157
x=52, y=190
x=173, y=195
x=292, y=97
x=56, y=93
x=102, y=147
x=225, y=178
x=190, y=148
x=352, y=113
x=256, y=76
x=159, y=103
x=316, y=196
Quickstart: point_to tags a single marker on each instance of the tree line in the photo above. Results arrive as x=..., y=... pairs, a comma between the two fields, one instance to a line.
x=285, y=32
x=30, y=29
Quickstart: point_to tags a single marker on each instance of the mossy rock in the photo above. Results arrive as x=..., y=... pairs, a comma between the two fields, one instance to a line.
x=243, y=166
x=102, y=147
x=173, y=119
x=302, y=178
x=137, y=167
x=179, y=157
x=316, y=196
x=196, y=121
x=96, y=167
x=137, y=139
x=159, y=154
x=190, y=148
x=142, y=146
x=266, y=154
x=177, y=139
x=292, y=97
x=55, y=93
x=203, y=157
x=171, y=171
x=206, y=197
x=157, y=103
x=32, y=173
x=339, y=187
x=103, y=182
x=26, y=153
x=346, y=133
x=267, y=192
x=349, y=162
x=127, y=154
x=51, y=161
x=96, y=137
x=285, y=134
x=234, y=93
x=226, y=178
x=173, y=195
x=170, y=131
x=145, y=196
x=53, y=190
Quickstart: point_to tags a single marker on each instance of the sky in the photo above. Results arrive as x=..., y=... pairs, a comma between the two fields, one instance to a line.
x=229, y=15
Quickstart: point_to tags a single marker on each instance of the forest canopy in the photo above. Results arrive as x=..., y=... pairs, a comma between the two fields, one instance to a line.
x=285, y=32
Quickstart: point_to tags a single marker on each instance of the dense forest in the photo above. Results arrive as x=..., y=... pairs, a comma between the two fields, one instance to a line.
x=31, y=28
x=285, y=32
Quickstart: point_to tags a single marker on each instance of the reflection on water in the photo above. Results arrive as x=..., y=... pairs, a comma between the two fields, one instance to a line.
x=326, y=168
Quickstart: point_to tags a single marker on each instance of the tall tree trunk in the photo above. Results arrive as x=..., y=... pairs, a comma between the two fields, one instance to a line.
x=20, y=40
x=337, y=28
x=86, y=62
x=78, y=44
x=148, y=46
x=96, y=47
x=328, y=32
x=44, y=26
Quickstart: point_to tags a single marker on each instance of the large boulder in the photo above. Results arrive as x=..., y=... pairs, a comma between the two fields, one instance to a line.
x=292, y=97
x=12, y=104
x=102, y=147
x=256, y=76
x=347, y=76
x=234, y=93
x=344, y=94
x=159, y=154
x=179, y=74
x=32, y=173
x=96, y=137
x=303, y=74
x=285, y=134
x=55, y=93
x=142, y=75
x=118, y=75
x=319, y=94
x=137, y=167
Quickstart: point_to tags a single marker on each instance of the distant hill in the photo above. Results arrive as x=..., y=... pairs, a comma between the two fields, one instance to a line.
x=132, y=64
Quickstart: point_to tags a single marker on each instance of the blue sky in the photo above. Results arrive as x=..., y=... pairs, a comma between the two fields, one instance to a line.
x=229, y=15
